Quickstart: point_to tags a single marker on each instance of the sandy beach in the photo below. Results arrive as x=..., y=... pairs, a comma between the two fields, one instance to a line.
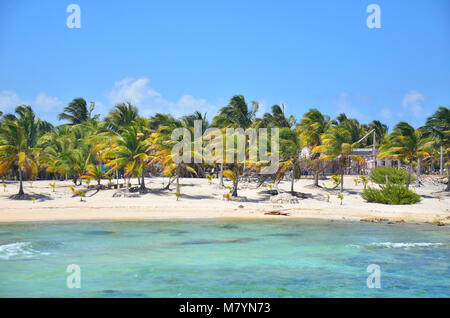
x=202, y=199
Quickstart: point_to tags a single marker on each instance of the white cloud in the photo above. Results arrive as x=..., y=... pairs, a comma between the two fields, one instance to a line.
x=149, y=101
x=9, y=100
x=351, y=105
x=47, y=103
x=412, y=102
x=386, y=113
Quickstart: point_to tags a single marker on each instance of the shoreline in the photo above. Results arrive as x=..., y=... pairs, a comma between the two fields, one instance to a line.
x=202, y=200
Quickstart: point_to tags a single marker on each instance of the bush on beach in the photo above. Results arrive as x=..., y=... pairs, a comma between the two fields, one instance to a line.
x=391, y=194
x=396, y=176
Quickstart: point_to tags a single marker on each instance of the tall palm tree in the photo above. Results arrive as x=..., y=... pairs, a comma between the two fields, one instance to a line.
x=77, y=112
x=437, y=128
x=311, y=127
x=123, y=115
x=380, y=131
x=189, y=120
x=405, y=143
x=290, y=148
x=162, y=143
x=275, y=119
x=129, y=152
x=15, y=150
x=33, y=125
x=66, y=151
x=235, y=115
x=336, y=144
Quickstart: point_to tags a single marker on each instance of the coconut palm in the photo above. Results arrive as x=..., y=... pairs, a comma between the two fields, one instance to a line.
x=275, y=119
x=336, y=144
x=405, y=143
x=313, y=125
x=77, y=112
x=129, y=151
x=235, y=115
x=290, y=148
x=123, y=115
x=437, y=127
x=162, y=143
x=34, y=127
x=189, y=120
x=66, y=151
x=15, y=151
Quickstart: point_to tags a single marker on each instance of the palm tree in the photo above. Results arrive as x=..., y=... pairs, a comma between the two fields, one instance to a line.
x=162, y=143
x=380, y=131
x=123, y=115
x=189, y=120
x=235, y=115
x=129, y=152
x=336, y=144
x=313, y=125
x=34, y=127
x=290, y=148
x=77, y=112
x=437, y=128
x=275, y=119
x=405, y=143
x=15, y=150
x=66, y=151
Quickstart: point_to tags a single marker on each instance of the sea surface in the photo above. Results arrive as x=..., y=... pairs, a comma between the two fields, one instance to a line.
x=224, y=258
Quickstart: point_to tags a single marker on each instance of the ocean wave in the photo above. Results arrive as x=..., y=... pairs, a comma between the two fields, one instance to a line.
x=19, y=250
x=398, y=245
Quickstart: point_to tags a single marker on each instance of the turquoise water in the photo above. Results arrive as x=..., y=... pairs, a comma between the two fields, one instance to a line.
x=224, y=258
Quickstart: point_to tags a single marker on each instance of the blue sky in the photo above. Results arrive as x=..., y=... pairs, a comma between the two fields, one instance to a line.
x=178, y=56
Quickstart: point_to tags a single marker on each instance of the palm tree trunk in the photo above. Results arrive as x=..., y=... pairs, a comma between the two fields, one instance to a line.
x=448, y=173
x=235, y=185
x=20, y=182
x=318, y=171
x=178, y=180
x=409, y=174
x=342, y=177
x=293, y=179
x=143, y=178
x=221, y=176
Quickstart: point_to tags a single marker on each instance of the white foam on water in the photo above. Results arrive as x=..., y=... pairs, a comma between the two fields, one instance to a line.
x=18, y=250
x=399, y=245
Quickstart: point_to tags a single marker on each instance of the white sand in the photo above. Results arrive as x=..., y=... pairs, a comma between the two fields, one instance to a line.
x=203, y=200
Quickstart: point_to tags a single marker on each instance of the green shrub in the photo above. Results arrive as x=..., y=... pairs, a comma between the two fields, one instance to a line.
x=391, y=194
x=397, y=176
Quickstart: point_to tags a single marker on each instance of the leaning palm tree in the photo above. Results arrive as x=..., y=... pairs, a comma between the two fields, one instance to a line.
x=235, y=115
x=77, y=112
x=290, y=149
x=275, y=119
x=123, y=115
x=437, y=127
x=313, y=125
x=130, y=151
x=405, y=143
x=336, y=144
x=162, y=144
x=15, y=150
